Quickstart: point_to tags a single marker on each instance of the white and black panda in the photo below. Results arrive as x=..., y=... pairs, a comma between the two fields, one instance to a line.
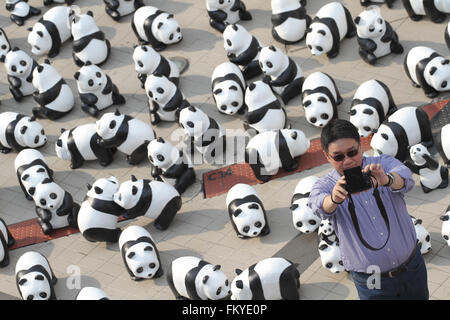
x=155, y=27
x=140, y=254
x=31, y=169
x=191, y=278
x=446, y=36
x=428, y=70
x=21, y=11
x=330, y=256
x=117, y=9
x=268, y=151
x=81, y=144
x=284, y=75
x=242, y=49
x=366, y=3
x=19, y=67
x=91, y=293
x=89, y=42
x=51, y=31
x=320, y=98
x=129, y=135
x=371, y=104
x=445, y=230
x=5, y=46
x=423, y=236
x=54, y=96
x=153, y=199
x=6, y=241
x=264, y=111
x=148, y=61
x=228, y=87
x=223, y=13
x=97, y=91
x=273, y=278
x=35, y=279
x=98, y=215
x=170, y=165
x=18, y=131
x=165, y=98
x=442, y=143
x=432, y=174
x=247, y=213
x=303, y=216
x=327, y=233
x=435, y=9
x=375, y=36
x=289, y=20
x=332, y=23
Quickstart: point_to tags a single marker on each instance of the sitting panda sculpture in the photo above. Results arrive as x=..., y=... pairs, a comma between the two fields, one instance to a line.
x=223, y=13
x=436, y=10
x=423, y=236
x=6, y=241
x=442, y=144
x=5, y=46
x=445, y=230
x=303, y=216
x=117, y=9
x=289, y=20
x=91, y=293
x=330, y=256
x=228, y=88
x=21, y=11
x=19, y=67
x=327, y=233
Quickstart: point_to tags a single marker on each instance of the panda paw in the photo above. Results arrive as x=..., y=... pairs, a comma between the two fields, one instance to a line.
x=17, y=20
x=432, y=94
x=91, y=110
x=5, y=150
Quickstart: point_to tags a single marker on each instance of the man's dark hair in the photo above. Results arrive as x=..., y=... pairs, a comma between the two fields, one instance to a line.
x=338, y=129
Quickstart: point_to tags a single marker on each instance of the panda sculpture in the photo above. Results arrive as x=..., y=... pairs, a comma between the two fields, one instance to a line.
x=155, y=27
x=446, y=36
x=139, y=254
x=148, y=61
x=165, y=99
x=332, y=23
x=405, y=127
x=18, y=131
x=242, y=49
x=170, y=165
x=247, y=213
x=191, y=278
x=91, y=293
x=445, y=230
x=265, y=112
x=129, y=135
x=89, y=42
x=35, y=279
x=284, y=76
x=320, y=98
x=50, y=2
x=370, y=106
x=428, y=70
x=327, y=233
x=98, y=215
x=273, y=278
x=268, y=151
x=81, y=144
x=97, y=91
x=117, y=9
x=153, y=199
x=436, y=10
x=19, y=67
x=432, y=174
x=303, y=216
x=21, y=11
x=375, y=36
x=222, y=13
x=367, y=3
x=5, y=46
x=51, y=31
x=423, y=236
x=228, y=87
x=330, y=256
x=289, y=20
x=442, y=143
x=6, y=241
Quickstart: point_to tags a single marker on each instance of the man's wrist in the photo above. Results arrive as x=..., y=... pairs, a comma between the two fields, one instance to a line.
x=390, y=181
x=335, y=202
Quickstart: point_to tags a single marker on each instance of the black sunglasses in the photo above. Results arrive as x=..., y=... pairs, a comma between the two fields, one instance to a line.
x=340, y=157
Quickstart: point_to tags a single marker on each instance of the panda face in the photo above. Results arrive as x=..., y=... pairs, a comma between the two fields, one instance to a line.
x=31, y=133
x=303, y=216
x=108, y=125
x=384, y=142
x=129, y=193
x=319, y=40
x=236, y=39
x=142, y=260
x=330, y=255
x=214, y=283
x=240, y=287
x=104, y=189
x=83, y=25
x=258, y=94
x=168, y=30
x=228, y=96
x=18, y=63
x=318, y=109
x=90, y=78
x=44, y=77
x=159, y=88
x=296, y=140
x=370, y=24
x=249, y=219
x=438, y=75
x=417, y=152
x=32, y=176
x=326, y=228
x=61, y=149
x=48, y=195
x=39, y=39
x=145, y=59
x=365, y=118
x=272, y=61
x=224, y=5
x=34, y=286
x=162, y=154
x=4, y=45
x=194, y=121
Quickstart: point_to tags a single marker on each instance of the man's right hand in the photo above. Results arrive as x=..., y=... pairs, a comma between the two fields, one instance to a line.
x=339, y=193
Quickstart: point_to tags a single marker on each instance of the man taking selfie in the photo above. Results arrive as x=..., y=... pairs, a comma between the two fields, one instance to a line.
x=377, y=238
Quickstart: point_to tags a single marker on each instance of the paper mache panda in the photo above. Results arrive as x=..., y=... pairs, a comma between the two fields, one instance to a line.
x=223, y=13
x=327, y=233
x=428, y=69
x=320, y=98
x=375, y=36
x=152, y=199
x=81, y=144
x=19, y=67
x=242, y=49
x=370, y=106
x=442, y=143
x=117, y=9
x=98, y=215
x=139, y=254
x=432, y=174
x=367, y=3
x=332, y=23
x=273, y=278
x=191, y=278
x=18, y=131
x=6, y=241
x=228, y=88
x=129, y=135
x=436, y=10
x=289, y=20
x=155, y=27
x=5, y=46
x=21, y=11
x=247, y=213
x=423, y=236
x=89, y=42
x=303, y=216
x=91, y=293
x=35, y=279
x=269, y=151
x=330, y=256
x=170, y=165
x=97, y=91
x=445, y=231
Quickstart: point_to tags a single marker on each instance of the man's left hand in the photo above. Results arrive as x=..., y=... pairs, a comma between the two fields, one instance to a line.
x=377, y=173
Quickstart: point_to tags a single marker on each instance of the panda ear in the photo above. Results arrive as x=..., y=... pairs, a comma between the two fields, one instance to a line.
x=32, y=190
x=170, y=16
x=62, y=130
x=88, y=186
x=59, y=143
x=135, y=46
x=76, y=75
x=357, y=19
x=238, y=271
x=273, y=48
x=374, y=130
x=192, y=108
x=237, y=212
x=323, y=247
x=15, y=49
x=40, y=34
x=30, y=29
x=40, y=68
x=88, y=63
x=293, y=207
x=368, y=111
x=46, y=61
x=308, y=30
x=322, y=32
x=160, y=140
x=294, y=135
x=22, y=281
x=252, y=86
x=144, y=48
x=235, y=27
x=33, y=118
x=444, y=218
x=216, y=267
x=266, y=79
x=352, y=112
x=160, y=25
x=218, y=91
x=131, y=255
x=205, y=279
x=23, y=129
x=90, y=13
x=117, y=112
x=134, y=190
x=433, y=70
x=239, y=284
x=418, y=221
x=133, y=178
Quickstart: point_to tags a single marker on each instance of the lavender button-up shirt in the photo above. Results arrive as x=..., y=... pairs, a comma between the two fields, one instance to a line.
x=355, y=256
